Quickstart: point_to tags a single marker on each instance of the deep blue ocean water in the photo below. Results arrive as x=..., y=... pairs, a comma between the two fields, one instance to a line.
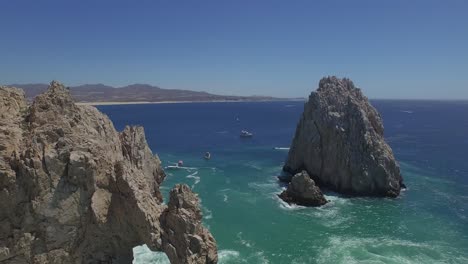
x=428, y=223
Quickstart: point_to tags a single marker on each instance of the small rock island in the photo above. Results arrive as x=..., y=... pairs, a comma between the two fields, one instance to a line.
x=74, y=190
x=339, y=143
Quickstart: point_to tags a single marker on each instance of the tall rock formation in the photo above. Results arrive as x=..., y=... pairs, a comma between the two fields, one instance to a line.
x=339, y=141
x=74, y=190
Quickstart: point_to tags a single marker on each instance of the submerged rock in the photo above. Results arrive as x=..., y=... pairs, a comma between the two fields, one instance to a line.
x=303, y=191
x=74, y=190
x=339, y=142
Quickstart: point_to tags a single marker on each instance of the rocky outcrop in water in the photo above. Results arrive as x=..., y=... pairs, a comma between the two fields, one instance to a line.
x=74, y=190
x=303, y=191
x=182, y=218
x=339, y=141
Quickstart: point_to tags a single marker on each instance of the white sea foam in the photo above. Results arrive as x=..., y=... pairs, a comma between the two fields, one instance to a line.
x=244, y=242
x=364, y=250
x=290, y=207
x=193, y=176
x=225, y=198
x=228, y=256
x=207, y=214
x=143, y=255
x=330, y=213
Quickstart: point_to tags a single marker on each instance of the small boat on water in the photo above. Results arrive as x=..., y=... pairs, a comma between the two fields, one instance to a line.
x=245, y=134
x=178, y=165
x=207, y=155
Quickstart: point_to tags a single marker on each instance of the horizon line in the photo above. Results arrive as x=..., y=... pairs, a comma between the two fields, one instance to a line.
x=254, y=95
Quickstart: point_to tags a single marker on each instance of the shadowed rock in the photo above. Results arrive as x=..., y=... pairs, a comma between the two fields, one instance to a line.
x=74, y=190
x=303, y=191
x=339, y=141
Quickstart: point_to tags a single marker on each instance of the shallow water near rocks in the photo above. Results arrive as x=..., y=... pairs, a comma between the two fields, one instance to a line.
x=426, y=224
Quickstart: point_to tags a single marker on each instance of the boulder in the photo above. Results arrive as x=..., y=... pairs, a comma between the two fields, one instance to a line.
x=303, y=191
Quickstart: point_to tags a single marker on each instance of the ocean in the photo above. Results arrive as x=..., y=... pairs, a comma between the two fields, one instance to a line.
x=427, y=223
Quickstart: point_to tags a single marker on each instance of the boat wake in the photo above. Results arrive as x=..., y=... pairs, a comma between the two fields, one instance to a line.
x=195, y=177
x=281, y=148
x=407, y=111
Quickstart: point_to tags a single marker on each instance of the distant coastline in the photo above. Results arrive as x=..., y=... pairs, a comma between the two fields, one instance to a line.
x=187, y=102
x=100, y=94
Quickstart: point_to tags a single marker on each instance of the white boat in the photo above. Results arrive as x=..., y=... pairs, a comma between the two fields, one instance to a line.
x=245, y=134
x=178, y=165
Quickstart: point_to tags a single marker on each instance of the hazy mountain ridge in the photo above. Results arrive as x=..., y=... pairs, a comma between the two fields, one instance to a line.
x=135, y=93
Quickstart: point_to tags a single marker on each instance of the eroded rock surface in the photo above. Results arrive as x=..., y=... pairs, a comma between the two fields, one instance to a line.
x=303, y=191
x=74, y=190
x=339, y=142
x=182, y=218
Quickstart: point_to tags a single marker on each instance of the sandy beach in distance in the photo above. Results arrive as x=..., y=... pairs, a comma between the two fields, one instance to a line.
x=179, y=102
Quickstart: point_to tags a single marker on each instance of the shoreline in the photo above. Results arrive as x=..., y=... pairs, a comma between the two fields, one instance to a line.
x=183, y=102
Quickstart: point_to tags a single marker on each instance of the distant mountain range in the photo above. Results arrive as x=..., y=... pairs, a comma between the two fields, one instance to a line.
x=100, y=93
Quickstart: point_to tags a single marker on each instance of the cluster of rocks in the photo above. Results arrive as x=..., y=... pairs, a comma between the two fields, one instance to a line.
x=74, y=190
x=339, y=142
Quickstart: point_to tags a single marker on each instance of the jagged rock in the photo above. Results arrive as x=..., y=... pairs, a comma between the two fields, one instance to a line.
x=339, y=142
x=186, y=241
x=303, y=191
x=74, y=190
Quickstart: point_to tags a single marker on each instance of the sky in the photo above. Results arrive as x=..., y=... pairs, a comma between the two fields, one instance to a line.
x=391, y=49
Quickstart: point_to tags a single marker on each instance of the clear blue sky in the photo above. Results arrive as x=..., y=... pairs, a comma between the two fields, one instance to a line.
x=392, y=49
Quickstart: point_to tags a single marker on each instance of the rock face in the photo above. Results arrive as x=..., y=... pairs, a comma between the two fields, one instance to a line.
x=303, y=191
x=182, y=218
x=339, y=142
x=74, y=190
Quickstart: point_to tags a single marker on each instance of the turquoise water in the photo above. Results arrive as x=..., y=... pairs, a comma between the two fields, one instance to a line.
x=427, y=224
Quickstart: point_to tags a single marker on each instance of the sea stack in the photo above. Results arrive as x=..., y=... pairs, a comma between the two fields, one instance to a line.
x=74, y=190
x=339, y=142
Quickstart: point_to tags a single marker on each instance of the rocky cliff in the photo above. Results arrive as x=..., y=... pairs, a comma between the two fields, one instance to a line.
x=339, y=141
x=74, y=190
